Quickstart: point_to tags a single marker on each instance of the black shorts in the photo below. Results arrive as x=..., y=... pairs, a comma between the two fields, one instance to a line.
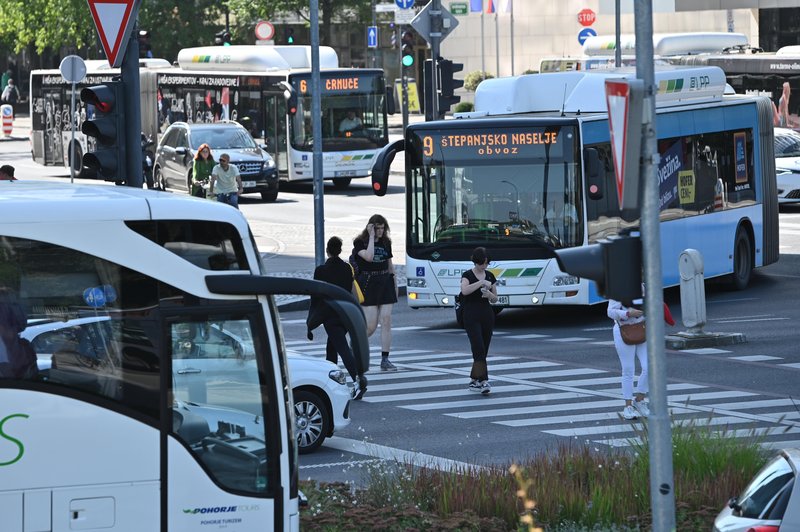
x=378, y=288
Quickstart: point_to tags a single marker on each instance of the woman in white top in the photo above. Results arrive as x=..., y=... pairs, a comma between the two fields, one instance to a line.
x=635, y=402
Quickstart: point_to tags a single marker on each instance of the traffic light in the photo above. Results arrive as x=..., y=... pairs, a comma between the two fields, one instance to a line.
x=448, y=85
x=289, y=35
x=408, y=49
x=222, y=38
x=614, y=264
x=105, y=124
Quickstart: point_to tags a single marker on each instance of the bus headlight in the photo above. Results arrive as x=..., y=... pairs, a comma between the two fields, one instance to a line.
x=565, y=280
x=338, y=376
x=416, y=283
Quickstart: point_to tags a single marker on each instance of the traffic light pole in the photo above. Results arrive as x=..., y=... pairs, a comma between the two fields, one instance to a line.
x=436, y=41
x=662, y=492
x=316, y=128
x=132, y=112
x=403, y=82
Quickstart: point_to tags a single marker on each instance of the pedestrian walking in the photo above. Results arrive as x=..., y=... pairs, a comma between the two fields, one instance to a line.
x=478, y=291
x=338, y=272
x=628, y=350
x=202, y=167
x=10, y=93
x=372, y=259
x=227, y=180
x=7, y=173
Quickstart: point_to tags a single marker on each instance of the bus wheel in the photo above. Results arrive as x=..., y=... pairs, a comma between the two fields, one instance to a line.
x=76, y=159
x=341, y=183
x=312, y=421
x=742, y=260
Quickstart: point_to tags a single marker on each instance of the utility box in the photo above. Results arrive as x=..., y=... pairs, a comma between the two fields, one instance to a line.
x=693, y=290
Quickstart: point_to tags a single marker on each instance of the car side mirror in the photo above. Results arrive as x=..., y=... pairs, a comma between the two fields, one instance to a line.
x=181, y=151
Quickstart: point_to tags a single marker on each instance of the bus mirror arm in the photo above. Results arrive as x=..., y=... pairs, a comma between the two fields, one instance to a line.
x=383, y=164
x=594, y=173
x=339, y=300
x=391, y=106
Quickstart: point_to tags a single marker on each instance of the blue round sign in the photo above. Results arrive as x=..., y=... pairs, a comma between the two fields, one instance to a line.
x=585, y=33
x=95, y=297
x=404, y=4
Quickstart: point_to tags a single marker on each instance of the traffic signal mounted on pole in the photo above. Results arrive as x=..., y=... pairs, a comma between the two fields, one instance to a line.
x=614, y=264
x=289, y=35
x=448, y=85
x=407, y=47
x=105, y=124
x=222, y=38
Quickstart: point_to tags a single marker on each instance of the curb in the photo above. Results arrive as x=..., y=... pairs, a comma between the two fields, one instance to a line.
x=303, y=302
x=681, y=341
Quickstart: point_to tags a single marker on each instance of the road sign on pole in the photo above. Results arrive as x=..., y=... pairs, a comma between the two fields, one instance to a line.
x=624, y=99
x=113, y=20
x=422, y=23
x=264, y=30
x=585, y=33
x=372, y=37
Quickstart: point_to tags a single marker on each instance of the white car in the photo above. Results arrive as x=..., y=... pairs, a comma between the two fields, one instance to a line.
x=787, y=164
x=209, y=359
x=770, y=503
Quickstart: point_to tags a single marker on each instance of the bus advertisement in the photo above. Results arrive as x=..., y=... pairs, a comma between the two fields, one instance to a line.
x=242, y=83
x=512, y=179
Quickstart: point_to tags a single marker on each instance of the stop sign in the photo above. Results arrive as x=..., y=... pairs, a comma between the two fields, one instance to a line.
x=586, y=17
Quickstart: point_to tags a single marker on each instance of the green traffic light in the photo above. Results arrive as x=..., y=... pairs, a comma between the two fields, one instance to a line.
x=290, y=40
x=408, y=60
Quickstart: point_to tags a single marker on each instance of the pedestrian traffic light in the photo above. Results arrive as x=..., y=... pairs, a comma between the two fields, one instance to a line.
x=408, y=49
x=105, y=124
x=448, y=85
x=222, y=38
x=614, y=264
x=289, y=35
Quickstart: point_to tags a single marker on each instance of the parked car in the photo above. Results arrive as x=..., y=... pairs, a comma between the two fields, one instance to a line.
x=206, y=361
x=770, y=503
x=787, y=164
x=179, y=144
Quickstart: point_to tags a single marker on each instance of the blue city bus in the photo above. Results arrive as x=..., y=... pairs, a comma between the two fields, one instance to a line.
x=513, y=176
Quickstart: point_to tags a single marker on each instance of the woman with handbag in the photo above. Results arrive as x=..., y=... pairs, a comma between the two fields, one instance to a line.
x=629, y=340
x=338, y=272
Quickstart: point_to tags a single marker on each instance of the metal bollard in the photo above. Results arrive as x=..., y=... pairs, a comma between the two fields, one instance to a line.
x=693, y=291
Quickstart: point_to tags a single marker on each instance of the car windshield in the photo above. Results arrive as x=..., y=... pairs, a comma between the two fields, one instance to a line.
x=787, y=144
x=223, y=138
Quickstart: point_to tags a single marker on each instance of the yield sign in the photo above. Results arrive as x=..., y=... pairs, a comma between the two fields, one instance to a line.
x=113, y=20
x=624, y=100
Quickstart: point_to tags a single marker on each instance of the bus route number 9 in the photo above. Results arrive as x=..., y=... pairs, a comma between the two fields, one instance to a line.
x=427, y=146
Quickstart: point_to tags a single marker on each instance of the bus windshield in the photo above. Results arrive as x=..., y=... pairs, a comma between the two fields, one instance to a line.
x=353, y=115
x=500, y=187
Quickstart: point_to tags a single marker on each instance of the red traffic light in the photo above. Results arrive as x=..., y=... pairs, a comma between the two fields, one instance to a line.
x=101, y=96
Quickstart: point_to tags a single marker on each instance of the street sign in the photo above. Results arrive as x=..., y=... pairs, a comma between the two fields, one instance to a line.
x=404, y=4
x=585, y=33
x=73, y=69
x=459, y=8
x=264, y=30
x=625, y=103
x=113, y=20
x=404, y=16
x=372, y=37
x=422, y=23
x=586, y=17
x=385, y=8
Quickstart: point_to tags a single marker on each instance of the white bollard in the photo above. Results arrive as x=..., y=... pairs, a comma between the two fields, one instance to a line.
x=693, y=291
x=7, y=112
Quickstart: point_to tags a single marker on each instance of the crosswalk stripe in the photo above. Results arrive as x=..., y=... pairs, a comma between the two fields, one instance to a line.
x=775, y=445
x=428, y=356
x=409, y=328
x=756, y=358
x=574, y=432
x=528, y=336
x=738, y=433
x=594, y=405
x=569, y=339
x=557, y=373
x=395, y=375
x=440, y=383
x=582, y=418
x=440, y=394
x=766, y=403
x=708, y=395
x=463, y=361
x=790, y=365
x=705, y=351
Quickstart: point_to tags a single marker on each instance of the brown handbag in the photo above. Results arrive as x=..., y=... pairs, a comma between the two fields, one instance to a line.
x=633, y=333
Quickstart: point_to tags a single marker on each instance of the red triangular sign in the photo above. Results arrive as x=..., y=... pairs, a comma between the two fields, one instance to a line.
x=113, y=19
x=617, y=98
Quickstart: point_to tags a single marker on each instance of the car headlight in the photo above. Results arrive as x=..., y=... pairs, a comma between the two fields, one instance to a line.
x=564, y=280
x=416, y=283
x=270, y=163
x=337, y=375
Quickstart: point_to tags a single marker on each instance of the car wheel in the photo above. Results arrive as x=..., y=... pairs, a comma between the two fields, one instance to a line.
x=341, y=183
x=312, y=421
x=158, y=179
x=742, y=260
x=269, y=197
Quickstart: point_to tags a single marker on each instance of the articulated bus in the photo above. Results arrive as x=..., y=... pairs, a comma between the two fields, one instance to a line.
x=100, y=431
x=244, y=83
x=514, y=176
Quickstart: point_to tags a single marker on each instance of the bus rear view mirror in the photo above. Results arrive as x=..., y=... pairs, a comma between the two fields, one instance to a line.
x=341, y=301
x=382, y=166
x=391, y=107
x=594, y=173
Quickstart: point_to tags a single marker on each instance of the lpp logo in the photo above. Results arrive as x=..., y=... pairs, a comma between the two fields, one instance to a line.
x=11, y=449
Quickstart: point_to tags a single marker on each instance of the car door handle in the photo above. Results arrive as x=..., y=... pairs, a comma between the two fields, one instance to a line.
x=189, y=371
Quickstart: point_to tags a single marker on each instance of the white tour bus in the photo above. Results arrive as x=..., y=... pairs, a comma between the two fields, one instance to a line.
x=530, y=171
x=106, y=436
x=244, y=83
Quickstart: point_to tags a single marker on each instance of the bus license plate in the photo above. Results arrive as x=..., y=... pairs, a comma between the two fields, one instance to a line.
x=501, y=300
x=248, y=184
x=345, y=173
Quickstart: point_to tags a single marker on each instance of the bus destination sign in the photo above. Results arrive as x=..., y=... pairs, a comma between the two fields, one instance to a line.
x=529, y=142
x=339, y=84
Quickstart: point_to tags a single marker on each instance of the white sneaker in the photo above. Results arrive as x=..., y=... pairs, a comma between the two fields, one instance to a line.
x=486, y=388
x=629, y=413
x=474, y=386
x=642, y=407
